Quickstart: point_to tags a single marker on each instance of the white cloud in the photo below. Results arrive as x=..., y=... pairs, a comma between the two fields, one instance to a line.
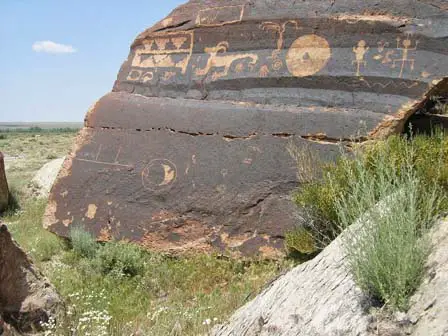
x=52, y=47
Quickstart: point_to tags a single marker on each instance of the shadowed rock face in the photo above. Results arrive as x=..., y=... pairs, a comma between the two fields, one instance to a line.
x=4, y=190
x=189, y=151
x=27, y=299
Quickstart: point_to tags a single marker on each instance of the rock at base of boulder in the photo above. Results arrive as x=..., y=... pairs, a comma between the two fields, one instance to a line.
x=4, y=190
x=429, y=305
x=318, y=297
x=27, y=299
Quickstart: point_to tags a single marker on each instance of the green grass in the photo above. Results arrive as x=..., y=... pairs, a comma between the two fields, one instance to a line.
x=26, y=152
x=117, y=288
x=393, y=190
x=121, y=289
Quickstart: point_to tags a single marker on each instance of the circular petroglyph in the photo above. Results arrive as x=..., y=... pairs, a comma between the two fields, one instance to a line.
x=159, y=174
x=308, y=55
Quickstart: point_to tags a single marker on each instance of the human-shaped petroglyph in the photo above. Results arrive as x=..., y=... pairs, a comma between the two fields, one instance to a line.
x=360, y=52
x=407, y=43
x=277, y=63
x=216, y=59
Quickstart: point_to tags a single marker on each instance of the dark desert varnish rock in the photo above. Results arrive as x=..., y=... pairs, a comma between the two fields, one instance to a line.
x=4, y=190
x=190, y=150
x=27, y=299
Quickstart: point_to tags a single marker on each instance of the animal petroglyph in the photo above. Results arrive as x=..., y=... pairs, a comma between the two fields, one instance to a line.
x=360, y=53
x=219, y=16
x=308, y=55
x=216, y=60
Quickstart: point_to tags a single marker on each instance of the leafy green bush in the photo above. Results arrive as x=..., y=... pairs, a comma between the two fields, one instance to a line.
x=394, y=209
x=393, y=190
x=300, y=243
x=83, y=242
x=427, y=155
x=121, y=258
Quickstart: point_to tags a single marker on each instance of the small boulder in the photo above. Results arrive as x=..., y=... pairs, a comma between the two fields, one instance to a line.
x=45, y=177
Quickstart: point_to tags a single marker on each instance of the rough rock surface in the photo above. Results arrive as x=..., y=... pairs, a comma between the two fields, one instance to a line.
x=45, y=177
x=316, y=298
x=320, y=298
x=189, y=151
x=26, y=297
x=4, y=190
x=429, y=306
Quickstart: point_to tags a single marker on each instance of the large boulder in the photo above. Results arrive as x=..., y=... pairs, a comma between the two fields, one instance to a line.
x=27, y=299
x=4, y=190
x=190, y=150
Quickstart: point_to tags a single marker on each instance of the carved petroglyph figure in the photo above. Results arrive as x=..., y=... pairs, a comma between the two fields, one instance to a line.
x=264, y=71
x=97, y=158
x=360, y=53
x=308, y=55
x=385, y=56
x=407, y=43
x=159, y=174
x=140, y=75
x=217, y=60
x=219, y=16
x=174, y=50
x=168, y=75
x=277, y=63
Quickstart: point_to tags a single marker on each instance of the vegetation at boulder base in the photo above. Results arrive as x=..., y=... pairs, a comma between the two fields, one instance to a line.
x=115, y=288
x=393, y=190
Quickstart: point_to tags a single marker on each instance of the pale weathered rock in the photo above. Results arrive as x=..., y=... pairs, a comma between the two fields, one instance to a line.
x=4, y=190
x=27, y=299
x=44, y=178
x=429, y=305
x=189, y=151
x=317, y=298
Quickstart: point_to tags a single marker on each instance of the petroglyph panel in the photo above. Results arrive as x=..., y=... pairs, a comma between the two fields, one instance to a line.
x=218, y=16
x=190, y=150
x=165, y=52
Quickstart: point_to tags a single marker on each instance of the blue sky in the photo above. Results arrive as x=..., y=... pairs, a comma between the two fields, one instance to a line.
x=57, y=57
